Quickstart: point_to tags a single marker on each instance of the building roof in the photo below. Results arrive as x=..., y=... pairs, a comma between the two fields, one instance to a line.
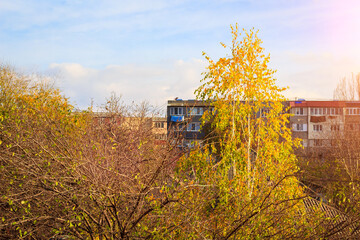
x=334, y=104
x=292, y=103
x=186, y=103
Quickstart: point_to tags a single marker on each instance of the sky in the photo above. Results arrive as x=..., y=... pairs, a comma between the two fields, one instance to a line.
x=151, y=50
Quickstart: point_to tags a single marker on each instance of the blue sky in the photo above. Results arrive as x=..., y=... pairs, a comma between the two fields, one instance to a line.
x=152, y=50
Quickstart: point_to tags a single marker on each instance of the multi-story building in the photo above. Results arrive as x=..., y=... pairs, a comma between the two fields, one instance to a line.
x=184, y=121
x=157, y=126
x=159, y=129
x=319, y=124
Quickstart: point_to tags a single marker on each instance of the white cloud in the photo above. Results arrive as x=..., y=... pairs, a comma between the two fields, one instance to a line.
x=311, y=75
x=74, y=70
x=153, y=83
x=313, y=43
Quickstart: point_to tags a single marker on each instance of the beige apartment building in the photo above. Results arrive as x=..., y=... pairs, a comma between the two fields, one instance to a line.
x=319, y=124
x=157, y=125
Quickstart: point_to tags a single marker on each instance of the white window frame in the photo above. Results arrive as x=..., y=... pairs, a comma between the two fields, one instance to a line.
x=334, y=111
x=352, y=111
x=317, y=127
x=176, y=111
x=197, y=111
x=299, y=127
x=299, y=111
x=316, y=111
x=320, y=111
x=159, y=125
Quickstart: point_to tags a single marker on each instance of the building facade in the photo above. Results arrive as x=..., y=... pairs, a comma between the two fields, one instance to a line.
x=184, y=121
x=319, y=124
x=156, y=126
x=159, y=128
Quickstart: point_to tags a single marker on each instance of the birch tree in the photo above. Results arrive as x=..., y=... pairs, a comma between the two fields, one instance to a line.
x=242, y=184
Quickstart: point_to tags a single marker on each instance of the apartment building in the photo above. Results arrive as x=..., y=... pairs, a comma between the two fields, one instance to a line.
x=184, y=121
x=319, y=124
x=157, y=125
x=159, y=128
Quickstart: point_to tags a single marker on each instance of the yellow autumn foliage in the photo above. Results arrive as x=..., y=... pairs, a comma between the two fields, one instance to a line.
x=244, y=175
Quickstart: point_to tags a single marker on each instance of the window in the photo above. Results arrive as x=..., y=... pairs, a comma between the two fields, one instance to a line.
x=193, y=127
x=335, y=127
x=265, y=112
x=352, y=111
x=318, y=142
x=335, y=111
x=325, y=111
x=304, y=142
x=160, y=136
x=197, y=111
x=318, y=111
x=176, y=111
x=299, y=127
x=159, y=124
x=299, y=111
x=317, y=128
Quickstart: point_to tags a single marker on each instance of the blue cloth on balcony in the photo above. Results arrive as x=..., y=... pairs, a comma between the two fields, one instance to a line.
x=177, y=118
